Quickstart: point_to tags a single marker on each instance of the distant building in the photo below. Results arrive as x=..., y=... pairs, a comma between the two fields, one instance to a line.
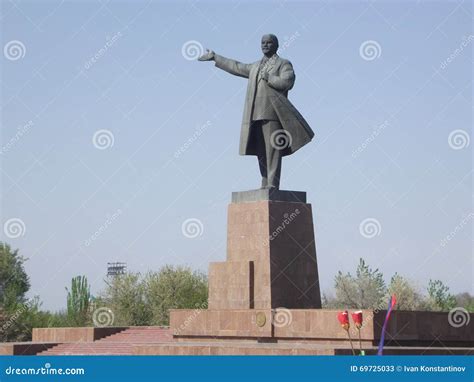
x=114, y=269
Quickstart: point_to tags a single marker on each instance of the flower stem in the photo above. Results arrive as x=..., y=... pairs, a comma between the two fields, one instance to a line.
x=350, y=340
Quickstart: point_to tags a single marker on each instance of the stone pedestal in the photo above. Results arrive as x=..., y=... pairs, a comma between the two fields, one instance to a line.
x=271, y=254
x=406, y=329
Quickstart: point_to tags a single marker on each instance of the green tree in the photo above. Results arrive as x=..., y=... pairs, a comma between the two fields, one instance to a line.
x=439, y=298
x=328, y=301
x=135, y=299
x=465, y=300
x=365, y=290
x=20, y=322
x=124, y=296
x=14, y=282
x=18, y=315
x=408, y=297
x=174, y=288
x=78, y=299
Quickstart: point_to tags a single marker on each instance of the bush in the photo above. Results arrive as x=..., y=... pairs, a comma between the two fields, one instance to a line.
x=174, y=288
x=140, y=300
x=439, y=298
x=407, y=294
x=365, y=290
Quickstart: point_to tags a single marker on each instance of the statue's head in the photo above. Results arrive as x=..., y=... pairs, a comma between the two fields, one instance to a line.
x=269, y=44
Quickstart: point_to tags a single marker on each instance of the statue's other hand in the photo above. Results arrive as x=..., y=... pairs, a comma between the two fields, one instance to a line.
x=208, y=56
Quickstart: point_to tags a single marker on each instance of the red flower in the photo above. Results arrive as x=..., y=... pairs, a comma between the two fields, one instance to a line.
x=357, y=318
x=343, y=318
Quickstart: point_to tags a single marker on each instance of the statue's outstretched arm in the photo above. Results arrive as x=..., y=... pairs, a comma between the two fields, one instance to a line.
x=231, y=66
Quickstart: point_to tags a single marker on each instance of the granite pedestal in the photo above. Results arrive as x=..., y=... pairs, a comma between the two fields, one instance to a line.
x=271, y=254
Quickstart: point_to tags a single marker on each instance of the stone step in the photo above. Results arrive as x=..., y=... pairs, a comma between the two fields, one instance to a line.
x=118, y=343
x=74, y=349
x=160, y=341
x=236, y=348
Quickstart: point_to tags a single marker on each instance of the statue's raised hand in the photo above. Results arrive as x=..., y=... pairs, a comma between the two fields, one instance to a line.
x=208, y=56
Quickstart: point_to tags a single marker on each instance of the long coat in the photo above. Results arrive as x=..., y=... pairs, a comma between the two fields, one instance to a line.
x=281, y=79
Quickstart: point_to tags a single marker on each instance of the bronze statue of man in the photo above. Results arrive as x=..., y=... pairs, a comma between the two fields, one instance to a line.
x=271, y=125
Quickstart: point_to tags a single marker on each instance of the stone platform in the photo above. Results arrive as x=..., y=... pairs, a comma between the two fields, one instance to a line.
x=304, y=332
x=319, y=326
x=268, y=194
x=242, y=348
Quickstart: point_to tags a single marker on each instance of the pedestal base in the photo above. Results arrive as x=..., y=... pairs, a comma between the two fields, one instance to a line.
x=319, y=326
x=271, y=254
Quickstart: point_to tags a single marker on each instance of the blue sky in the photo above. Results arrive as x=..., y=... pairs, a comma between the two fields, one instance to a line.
x=386, y=86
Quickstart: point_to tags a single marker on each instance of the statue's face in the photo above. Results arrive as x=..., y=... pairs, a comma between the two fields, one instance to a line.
x=268, y=45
